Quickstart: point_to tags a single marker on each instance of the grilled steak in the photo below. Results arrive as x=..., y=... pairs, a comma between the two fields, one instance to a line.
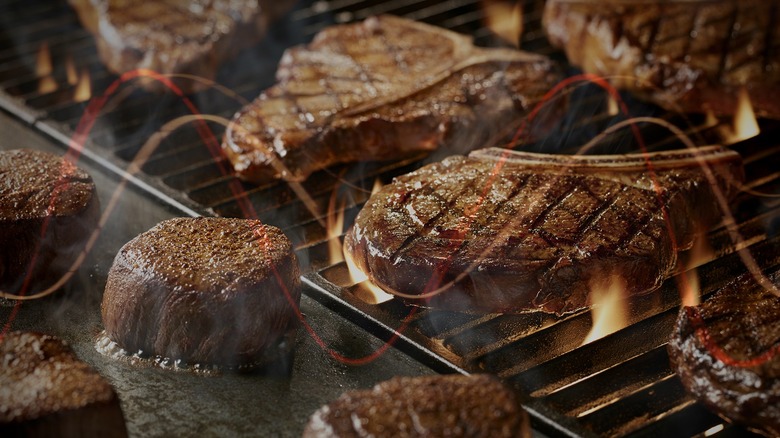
x=429, y=406
x=175, y=36
x=381, y=89
x=48, y=208
x=727, y=353
x=684, y=55
x=204, y=291
x=506, y=231
x=45, y=391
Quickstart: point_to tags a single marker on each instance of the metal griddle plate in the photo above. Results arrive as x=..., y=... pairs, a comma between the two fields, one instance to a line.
x=159, y=402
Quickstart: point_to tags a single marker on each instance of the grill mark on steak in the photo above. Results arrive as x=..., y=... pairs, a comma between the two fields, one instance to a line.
x=403, y=88
x=725, y=352
x=697, y=56
x=547, y=227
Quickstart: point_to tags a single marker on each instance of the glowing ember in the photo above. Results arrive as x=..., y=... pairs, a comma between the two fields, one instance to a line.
x=83, y=89
x=610, y=311
x=367, y=291
x=688, y=281
x=70, y=71
x=505, y=19
x=745, y=123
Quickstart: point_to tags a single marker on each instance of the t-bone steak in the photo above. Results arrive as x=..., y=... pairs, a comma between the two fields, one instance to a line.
x=382, y=89
x=507, y=231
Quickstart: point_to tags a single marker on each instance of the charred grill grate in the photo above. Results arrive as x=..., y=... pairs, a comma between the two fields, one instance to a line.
x=618, y=385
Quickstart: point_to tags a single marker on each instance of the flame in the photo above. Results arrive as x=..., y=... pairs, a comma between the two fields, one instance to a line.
x=609, y=307
x=70, y=71
x=366, y=290
x=83, y=89
x=612, y=106
x=745, y=123
x=688, y=281
x=43, y=70
x=505, y=19
x=377, y=186
x=335, y=227
x=43, y=65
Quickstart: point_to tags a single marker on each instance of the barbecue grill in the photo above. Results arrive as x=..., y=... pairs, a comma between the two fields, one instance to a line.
x=619, y=385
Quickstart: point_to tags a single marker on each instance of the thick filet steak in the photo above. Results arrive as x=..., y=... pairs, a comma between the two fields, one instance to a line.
x=215, y=291
x=48, y=209
x=46, y=391
x=175, y=36
x=727, y=353
x=427, y=406
x=684, y=55
x=506, y=231
x=381, y=89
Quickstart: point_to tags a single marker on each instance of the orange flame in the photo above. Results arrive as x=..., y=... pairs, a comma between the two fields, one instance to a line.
x=335, y=227
x=43, y=70
x=43, y=65
x=377, y=186
x=70, y=71
x=688, y=281
x=366, y=290
x=83, y=89
x=609, y=307
x=505, y=19
x=745, y=123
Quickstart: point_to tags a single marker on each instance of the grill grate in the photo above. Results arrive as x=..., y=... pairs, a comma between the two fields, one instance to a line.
x=618, y=385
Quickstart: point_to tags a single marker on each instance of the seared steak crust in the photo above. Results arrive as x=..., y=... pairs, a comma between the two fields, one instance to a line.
x=175, y=36
x=204, y=290
x=726, y=352
x=428, y=406
x=688, y=55
x=45, y=391
x=48, y=209
x=518, y=231
x=380, y=89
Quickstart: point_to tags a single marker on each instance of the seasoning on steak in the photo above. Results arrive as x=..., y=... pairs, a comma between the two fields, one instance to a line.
x=507, y=231
x=175, y=36
x=428, y=406
x=212, y=291
x=46, y=391
x=726, y=352
x=48, y=209
x=381, y=89
x=684, y=55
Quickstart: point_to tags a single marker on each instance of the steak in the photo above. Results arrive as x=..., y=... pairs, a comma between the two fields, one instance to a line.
x=48, y=210
x=428, y=406
x=211, y=291
x=683, y=55
x=507, y=231
x=46, y=391
x=175, y=36
x=382, y=89
x=726, y=353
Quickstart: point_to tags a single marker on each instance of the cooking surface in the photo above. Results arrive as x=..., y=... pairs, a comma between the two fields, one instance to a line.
x=158, y=402
x=619, y=385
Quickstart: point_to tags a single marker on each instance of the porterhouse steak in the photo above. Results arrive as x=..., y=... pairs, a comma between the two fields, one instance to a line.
x=381, y=89
x=175, y=36
x=506, y=231
x=684, y=55
x=726, y=352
